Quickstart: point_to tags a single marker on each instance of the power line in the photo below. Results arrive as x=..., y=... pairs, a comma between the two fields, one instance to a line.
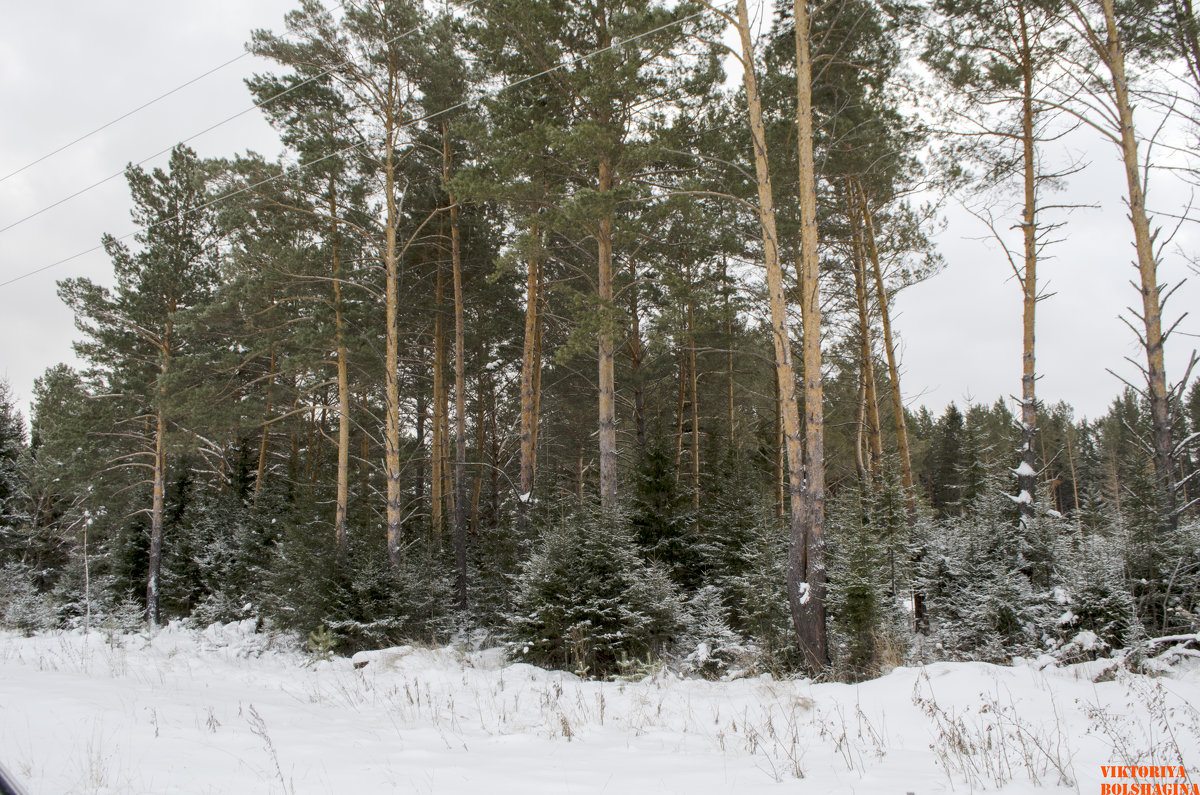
x=138, y=109
x=301, y=166
x=123, y=116
x=192, y=137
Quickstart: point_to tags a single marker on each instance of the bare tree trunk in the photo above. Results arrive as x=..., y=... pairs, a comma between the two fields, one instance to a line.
x=481, y=411
x=785, y=376
x=806, y=558
x=419, y=479
x=866, y=350
x=460, y=391
x=1071, y=463
x=1147, y=265
x=437, y=480
x=781, y=477
x=605, y=349
x=1027, y=471
x=531, y=366
x=391, y=364
x=729, y=381
x=693, y=384
x=680, y=404
x=860, y=420
x=493, y=453
x=343, y=385
x=158, y=490
x=889, y=346
x=260, y=472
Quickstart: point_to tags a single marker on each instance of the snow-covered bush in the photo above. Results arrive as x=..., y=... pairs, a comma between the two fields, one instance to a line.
x=707, y=646
x=22, y=606
x=1092, y=599
x=984, y=580
x=585, y=600
x=359, y=596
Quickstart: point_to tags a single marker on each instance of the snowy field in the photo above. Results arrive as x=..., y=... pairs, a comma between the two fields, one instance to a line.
x=229, y=711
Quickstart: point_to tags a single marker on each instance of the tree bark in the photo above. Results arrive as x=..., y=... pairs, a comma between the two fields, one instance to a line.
x=605, y=348
x=806, y=559
x=866, y=350
x=460, y=390
x=694, y=388
x=1147, y=265
x=531, y=365
x=391, y=375
x=437, y=478
x=343, y=385
x=789, y=410
x=156, y=515
x=1027, y=472
x=729, y=380
x=889, y=346
x=260, y=471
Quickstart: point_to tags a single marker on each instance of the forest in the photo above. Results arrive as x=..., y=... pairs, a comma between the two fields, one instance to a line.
x=570, y=325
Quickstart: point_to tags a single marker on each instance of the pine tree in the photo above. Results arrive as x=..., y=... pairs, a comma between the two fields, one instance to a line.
x=624, y=53
x=135, y=342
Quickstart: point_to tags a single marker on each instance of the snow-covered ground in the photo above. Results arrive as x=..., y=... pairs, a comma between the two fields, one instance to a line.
x=229, y=711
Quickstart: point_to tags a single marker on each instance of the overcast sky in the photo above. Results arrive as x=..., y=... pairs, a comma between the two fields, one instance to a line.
x=69, y=67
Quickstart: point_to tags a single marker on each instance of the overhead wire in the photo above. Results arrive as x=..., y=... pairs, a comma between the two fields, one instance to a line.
x=301, y=166
x=122, y=117
x=134, y=111
x=205, y=131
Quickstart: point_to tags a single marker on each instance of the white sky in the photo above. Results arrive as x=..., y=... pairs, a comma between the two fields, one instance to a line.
x=68, y=67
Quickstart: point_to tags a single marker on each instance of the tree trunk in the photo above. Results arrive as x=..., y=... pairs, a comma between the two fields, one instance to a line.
x=460, y=391
x=343, y=386
x=693, y=385
x=481, y=411
x=866, y=349
x=531, y=366
x=156, y=516
x=605, y=348
x=419, y=479
x=680, y=404
x=1027, y=472
x=860, y=420
x=1147, y=265
x=729, y=382
x=391, y=364
x=260, y=471
x=889, y=346
x=806, y=559
x=437, y=478
x=785, y=376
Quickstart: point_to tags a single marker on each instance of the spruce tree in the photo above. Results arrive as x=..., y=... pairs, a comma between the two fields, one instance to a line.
x=14, y=493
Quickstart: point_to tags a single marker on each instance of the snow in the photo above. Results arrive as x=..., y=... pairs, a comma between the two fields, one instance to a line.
x=1024, y=498
x=226, y=710
x=1024, y=470
x=1088, y=641
x=525, y=496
